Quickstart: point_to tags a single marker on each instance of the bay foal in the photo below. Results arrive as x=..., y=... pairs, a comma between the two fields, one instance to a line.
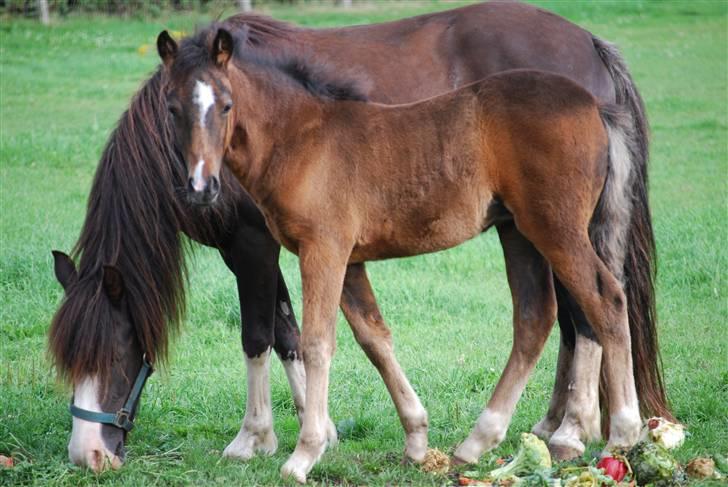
x=341, y=182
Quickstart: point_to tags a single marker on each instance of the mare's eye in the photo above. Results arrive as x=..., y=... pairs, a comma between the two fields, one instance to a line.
x=226, y=109
x=173, y=111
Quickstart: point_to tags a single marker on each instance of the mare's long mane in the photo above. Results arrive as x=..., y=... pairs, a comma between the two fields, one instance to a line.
x=136, y=211
x=132, y=222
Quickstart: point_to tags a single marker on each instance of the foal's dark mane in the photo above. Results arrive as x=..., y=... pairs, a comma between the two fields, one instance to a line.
x=292, y=61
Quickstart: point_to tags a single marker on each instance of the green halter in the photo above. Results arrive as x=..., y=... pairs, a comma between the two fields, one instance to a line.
x=124, y=417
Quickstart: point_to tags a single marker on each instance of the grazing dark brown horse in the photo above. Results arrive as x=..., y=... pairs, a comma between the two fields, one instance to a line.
x=136, y=228
x=341, y=182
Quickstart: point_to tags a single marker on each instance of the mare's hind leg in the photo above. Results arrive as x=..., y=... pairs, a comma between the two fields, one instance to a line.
x=534, y=313
x=560, y=393
x=374, y=337
x=253, y=257
x=583, y=419
x=580, y=415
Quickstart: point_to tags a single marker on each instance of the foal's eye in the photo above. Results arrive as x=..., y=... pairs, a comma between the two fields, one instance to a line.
x=226, y=109
x=173, y=111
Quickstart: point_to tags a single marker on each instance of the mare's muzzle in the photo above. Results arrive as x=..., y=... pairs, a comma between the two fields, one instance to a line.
x=205, y=193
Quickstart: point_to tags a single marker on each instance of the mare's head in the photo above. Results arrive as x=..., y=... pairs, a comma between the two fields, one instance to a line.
x=199, y=98
x=95, y=347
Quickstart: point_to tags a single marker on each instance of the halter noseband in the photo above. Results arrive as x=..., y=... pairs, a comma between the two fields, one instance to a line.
x=124, y=417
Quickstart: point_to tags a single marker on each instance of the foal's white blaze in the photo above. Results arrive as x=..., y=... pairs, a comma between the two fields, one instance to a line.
x=256, y=433
x=198, y=183
x=86, y=447
x=204, y=98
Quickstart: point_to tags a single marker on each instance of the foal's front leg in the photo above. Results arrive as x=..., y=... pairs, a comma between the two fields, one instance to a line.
x=322, y=275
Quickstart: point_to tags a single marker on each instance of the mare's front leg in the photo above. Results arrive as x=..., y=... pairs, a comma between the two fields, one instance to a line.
x=534, y=313
x=322, y=274
x=373, y=335
x=252, y=255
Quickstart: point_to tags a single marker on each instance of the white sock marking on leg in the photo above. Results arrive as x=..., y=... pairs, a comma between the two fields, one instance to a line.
x=256, y=432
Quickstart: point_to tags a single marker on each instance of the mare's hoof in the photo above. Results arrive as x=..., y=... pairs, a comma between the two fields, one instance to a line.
x=565, y=452
x=291, y=471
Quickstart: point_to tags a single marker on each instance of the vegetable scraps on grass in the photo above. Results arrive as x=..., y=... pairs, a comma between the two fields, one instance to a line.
x=532, y=456
x=649, y=462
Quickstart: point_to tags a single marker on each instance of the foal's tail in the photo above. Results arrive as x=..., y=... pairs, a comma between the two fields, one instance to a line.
x=621, y=228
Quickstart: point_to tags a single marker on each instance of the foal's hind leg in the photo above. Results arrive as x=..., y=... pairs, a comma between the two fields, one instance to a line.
x=534, y=313
x=599, y=294
x=374, y=337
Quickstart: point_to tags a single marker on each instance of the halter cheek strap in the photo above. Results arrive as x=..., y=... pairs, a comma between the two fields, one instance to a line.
x=124, y=417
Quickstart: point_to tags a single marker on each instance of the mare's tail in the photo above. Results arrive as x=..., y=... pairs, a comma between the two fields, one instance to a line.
x=621, y=229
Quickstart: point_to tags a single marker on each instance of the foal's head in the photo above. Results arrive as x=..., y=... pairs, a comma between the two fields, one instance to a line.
x=207, y=71
x=199, y=98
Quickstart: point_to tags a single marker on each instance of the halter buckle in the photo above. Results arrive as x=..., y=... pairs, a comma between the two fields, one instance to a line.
x=121, y=420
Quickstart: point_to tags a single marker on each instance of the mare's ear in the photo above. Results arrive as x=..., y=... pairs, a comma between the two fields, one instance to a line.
x=222, y=48
x=113, y=284
x=64, y=268
x=166, y=47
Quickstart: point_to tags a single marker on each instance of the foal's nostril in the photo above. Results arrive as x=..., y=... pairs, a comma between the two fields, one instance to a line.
x=213, y=186
x=191, y=186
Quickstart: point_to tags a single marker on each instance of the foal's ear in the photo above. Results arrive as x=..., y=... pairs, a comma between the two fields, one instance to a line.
x=166, y=47
x=113, y=284
x=64, y=268
x=222, y=47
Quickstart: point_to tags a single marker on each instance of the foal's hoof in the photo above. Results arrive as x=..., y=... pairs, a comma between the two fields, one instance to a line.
x=458, y=461
x=468, y=452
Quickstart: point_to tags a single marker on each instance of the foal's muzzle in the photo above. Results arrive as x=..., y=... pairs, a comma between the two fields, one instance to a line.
x=205, y=195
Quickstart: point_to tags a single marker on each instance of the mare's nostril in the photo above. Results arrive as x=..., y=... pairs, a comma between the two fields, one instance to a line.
x=190, y=186
x=119, y=450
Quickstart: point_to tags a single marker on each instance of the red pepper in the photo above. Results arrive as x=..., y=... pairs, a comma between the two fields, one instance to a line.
x=613, y=467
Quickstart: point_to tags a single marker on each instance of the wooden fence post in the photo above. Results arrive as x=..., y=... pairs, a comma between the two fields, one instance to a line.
x=245, y=5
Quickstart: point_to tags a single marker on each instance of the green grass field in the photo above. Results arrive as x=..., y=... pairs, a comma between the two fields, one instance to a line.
x=61, y=90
